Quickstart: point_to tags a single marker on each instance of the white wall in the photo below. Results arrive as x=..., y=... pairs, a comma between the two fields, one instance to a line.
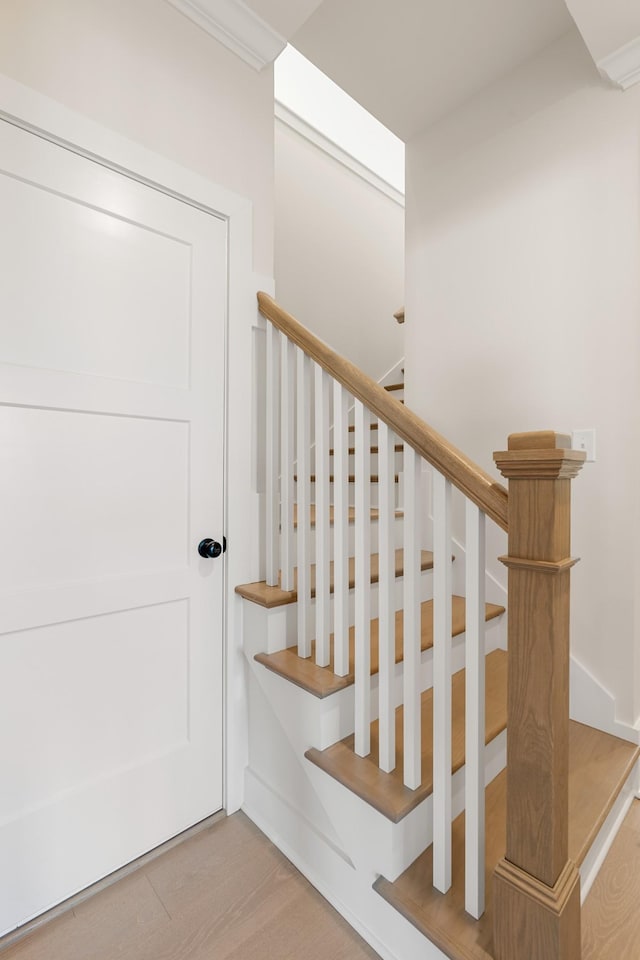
x=339, y=253
x=143, y=70
x=310, y=94
x=523, y=309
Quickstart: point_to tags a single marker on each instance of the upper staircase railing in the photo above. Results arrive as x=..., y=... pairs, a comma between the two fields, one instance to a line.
x=310, y=390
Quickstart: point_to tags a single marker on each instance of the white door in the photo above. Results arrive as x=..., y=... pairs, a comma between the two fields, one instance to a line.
x=112, y=320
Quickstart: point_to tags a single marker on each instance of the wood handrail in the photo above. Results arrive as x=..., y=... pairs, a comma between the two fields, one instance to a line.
x=467, y=476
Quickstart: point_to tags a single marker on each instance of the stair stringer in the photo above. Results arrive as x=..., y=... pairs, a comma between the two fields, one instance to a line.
x=373, y=842
x=301, y=828
x=348, y=890
x=310, y=721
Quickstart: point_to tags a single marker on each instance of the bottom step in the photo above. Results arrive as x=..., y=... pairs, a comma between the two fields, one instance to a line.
x=610, y=917
x=599, y=765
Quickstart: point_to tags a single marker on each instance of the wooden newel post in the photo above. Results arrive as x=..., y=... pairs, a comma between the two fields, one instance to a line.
x=536, y=886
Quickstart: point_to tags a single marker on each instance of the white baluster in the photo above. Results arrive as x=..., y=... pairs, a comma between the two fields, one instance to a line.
x=411, y=629
x=340, y=530
x=323, y=526
x=272, y=453
x=386, y=598
x=303, y=455
x=362, y=691
x=441, y=683
x=475, y=711
x=287, y=422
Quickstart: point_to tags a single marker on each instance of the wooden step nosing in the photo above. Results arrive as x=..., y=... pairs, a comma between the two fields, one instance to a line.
x=581, y=855
x=351, y=477
x=324, y=684
x=437, y=935
x=593, y=758
x=418, y=796
x=398, y=448
x=383, y=796
x=273, y=597
x=340, y=683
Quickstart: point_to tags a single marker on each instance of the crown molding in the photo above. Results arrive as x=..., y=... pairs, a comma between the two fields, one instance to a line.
x=622, y=66
x=237, y=27
x=313, y=135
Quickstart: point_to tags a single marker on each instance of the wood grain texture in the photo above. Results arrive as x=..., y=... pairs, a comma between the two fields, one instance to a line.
x=351, y=478
x=537, y=752
x=474, y=482
x=386, y=791
x=372, y=426
x=397, y=448
x=322, y=682
x=351, y=515
x=538, y=467
x=599, y=765
x=539, y=440
x=533, y=920
x=611, y=914
x=225, y=894
x=267, y=596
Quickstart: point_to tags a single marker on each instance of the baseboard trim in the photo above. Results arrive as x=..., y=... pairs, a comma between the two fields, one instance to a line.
x=592, y=704
x=350, y=893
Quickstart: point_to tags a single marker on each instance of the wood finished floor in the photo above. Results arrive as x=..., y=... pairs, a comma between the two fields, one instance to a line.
x=224, y=894
x=611, y=914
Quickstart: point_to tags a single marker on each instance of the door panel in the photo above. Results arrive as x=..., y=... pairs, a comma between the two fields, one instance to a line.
x=112, y=330
x=116, y=498
x=67, y=669
x=76, y=318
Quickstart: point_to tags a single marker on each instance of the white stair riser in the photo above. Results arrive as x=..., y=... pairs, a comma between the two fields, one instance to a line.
x=313, y=722
x=352, y=494
x=279, y=625
x=397, y=461
x=376, y=844
x=398, y=530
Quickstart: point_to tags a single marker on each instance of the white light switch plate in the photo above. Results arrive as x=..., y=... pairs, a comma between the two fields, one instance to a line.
x=585, y=440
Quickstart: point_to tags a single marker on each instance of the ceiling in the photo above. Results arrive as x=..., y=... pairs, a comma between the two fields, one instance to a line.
x=284, y=16
x=412, y=61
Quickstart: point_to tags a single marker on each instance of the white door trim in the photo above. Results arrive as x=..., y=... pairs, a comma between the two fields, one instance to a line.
x=53, y=121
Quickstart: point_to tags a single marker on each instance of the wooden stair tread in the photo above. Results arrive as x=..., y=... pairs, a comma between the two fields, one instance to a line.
x=386, y=791
x=398, y=448
x=351, y=516
x=390, y=387
x=372, y=426
x=598, y=763
x=610, y=915
x=322, y=682
x=374, y=478
x=275, y=597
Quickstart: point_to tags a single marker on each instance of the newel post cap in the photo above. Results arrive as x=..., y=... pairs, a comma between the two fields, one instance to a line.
x=540, y=455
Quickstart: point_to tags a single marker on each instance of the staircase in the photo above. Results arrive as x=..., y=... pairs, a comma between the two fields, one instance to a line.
x=381, y=688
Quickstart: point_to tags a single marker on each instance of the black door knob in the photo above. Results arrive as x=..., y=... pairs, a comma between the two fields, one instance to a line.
x=210, y=549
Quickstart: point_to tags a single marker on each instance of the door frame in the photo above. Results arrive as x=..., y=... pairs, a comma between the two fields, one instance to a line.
x=46, y=118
